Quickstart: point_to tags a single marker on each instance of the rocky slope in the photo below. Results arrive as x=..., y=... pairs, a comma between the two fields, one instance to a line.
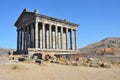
x=109, y=47
x=5, y=51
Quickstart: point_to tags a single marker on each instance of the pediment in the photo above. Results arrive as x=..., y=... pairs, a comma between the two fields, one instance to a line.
x=24, y=17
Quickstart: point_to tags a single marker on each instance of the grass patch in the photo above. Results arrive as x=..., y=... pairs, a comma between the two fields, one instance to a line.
x=29, y=61
x=15, y=66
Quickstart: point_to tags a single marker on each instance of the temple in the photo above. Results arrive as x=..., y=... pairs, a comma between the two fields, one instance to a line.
x=37, y=33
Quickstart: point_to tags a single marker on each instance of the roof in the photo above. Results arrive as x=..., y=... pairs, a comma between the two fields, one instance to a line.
x=36, y=14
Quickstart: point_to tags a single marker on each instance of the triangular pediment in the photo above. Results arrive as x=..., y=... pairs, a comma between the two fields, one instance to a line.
x=24, y=16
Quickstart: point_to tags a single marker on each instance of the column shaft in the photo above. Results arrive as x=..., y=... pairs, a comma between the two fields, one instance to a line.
x=28, y=38
x=56, y=38
x=32, y=36
x=36, y=34
x=21, y=39
x=71, y=40
x=47, y=37
x=66, y=38
x=18, y=41
x=50, y=36
x=43, y=35
x=76, y=41
x=24, y=36
x=61, y=37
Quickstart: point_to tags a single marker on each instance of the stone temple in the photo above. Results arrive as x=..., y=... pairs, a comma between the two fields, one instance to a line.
x=37, y=33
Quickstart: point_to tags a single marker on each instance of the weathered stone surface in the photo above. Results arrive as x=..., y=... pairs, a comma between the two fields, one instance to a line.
x=106, y=65
x=38, y=61
x=94, y=65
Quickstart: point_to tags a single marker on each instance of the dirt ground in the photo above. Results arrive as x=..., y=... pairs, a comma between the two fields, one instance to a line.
x=51, y=71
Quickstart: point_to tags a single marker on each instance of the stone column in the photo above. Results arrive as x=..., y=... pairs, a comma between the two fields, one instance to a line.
x=61, y=37
x=24, y=40
x=18, y=46
x=36, y=34
x=50, y=36
x=53, y=38
x=20, y=39
x=71, y=40
x=28, y=38
x=32, y=36
x=43, y=27
x=76, y=42
x=47, y=37
x=41, y=40
x=56, y=38
x=66, y=38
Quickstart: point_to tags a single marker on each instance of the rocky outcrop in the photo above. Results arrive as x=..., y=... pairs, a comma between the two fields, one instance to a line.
x=107, y=49
x=108, y=45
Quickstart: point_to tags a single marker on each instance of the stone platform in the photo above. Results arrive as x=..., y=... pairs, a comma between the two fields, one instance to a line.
x=32, y=51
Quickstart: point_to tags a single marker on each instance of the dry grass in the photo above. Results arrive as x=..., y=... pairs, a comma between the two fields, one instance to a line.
x=29, y=61
x=18, y=66
x=15, y=66
x=116, y=66
x=48, y=71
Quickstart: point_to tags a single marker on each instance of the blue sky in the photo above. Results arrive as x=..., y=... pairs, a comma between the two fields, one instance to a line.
x=98, y=19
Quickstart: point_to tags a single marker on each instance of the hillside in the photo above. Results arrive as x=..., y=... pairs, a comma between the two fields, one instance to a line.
x=5, y=51
x=109, y=47
x=113, y=43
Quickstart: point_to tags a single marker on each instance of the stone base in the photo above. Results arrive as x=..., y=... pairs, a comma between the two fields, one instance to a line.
x=43, y=52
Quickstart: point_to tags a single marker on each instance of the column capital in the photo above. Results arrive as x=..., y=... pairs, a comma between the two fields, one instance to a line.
x=43, y=23
x=67, y=28
x=37, y=21
x=50, y=24
x=76, y=29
